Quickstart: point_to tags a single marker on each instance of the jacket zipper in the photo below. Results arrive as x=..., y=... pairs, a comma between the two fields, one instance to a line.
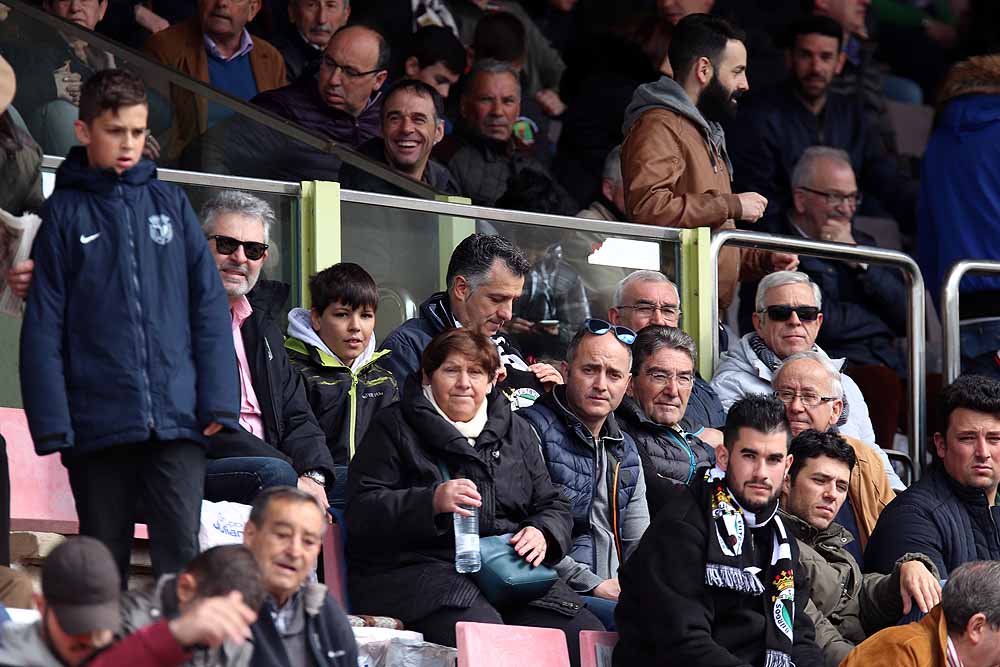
x=352, y=399
x=270, y=387
x=140, y=329
x=687, y=450
x=614, y=512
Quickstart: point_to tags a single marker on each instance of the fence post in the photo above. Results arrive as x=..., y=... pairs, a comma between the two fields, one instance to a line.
x=451, y=231
x=695, y=275
x=319, y=231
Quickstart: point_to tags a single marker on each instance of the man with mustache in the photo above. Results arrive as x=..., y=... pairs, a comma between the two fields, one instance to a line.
x=951, y=514
x=313, y=23
x=215, y=47
x=846, y=606
x=716, y=580
x=675, y=165
x=279, y=442
x=787, y=318
x=776, y=128
x=595, y=465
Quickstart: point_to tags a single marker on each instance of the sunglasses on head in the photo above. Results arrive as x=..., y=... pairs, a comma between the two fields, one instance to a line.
x=601, y=327
x=227, y=245
x=784, y=313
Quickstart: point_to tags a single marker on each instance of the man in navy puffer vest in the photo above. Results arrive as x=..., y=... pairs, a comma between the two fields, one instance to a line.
x=593, y=462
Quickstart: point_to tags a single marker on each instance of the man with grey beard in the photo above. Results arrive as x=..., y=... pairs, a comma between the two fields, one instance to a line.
x=279, y=442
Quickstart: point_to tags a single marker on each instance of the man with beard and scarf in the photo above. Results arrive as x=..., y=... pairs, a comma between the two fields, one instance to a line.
x=675, y=165
x=776, y=127
x=279, y=442
x=716, y=580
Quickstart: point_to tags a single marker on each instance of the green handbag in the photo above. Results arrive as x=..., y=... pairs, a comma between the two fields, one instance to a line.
x=505, y=578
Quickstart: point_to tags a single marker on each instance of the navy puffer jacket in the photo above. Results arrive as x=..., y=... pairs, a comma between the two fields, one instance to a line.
x=950, y=523
x=127, y=333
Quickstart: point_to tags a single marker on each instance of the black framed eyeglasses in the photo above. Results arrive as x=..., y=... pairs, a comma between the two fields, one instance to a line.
x=784, y=313
x=227, y=245
x=808, y=398
x=600, y=327
x=834, y=199
x=347, y=70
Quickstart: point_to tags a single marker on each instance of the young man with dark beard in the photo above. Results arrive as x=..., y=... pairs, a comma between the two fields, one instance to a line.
x=716, y=580
x=675, y=165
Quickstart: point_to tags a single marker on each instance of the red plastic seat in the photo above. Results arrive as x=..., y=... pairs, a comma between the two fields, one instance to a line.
x=486, y=645
x=590, y=640
x=40, y=496
x=334, y=568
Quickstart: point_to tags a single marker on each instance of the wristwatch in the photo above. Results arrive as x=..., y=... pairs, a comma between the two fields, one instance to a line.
x=316, y=476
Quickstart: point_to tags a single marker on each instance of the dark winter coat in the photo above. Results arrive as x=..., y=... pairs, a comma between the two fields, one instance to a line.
x=950, y=523
x=401, y=555
x=20, y=168
x=243, y=147
x=127, y=332
x=667, y=613
x=328, y=635
x=343, y=402
x=290, y=429
x=669, y=456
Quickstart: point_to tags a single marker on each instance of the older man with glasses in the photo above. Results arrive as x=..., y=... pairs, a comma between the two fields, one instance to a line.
x=787, y=320
x=652, y=413
x=646, y=298
x=593, y=462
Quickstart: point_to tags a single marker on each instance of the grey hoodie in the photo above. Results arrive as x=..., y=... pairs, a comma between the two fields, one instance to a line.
x=665, y=93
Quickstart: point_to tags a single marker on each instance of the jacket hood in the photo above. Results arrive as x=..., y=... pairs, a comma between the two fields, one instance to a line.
x=268, y=297
x=23, y=645
x=300, y=328
x=976, y=76
x=812, y=536
x=437, y=311
x=665, y=93
x=76, y=173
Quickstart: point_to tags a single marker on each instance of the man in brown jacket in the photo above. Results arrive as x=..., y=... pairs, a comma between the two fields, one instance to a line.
x=675, y=166
x=214, y=46
x=961, y=632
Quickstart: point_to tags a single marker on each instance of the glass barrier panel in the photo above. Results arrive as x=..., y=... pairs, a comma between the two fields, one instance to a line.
x=573, y=273
x=284, y=136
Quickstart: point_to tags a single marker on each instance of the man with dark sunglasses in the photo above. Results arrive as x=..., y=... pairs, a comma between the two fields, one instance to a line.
x=593, y=462
x=279, y=442
x=787, y=320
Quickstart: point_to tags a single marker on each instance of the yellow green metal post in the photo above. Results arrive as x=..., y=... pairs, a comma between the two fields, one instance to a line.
x=695, y=273
x=319, y=238
x=451, y=231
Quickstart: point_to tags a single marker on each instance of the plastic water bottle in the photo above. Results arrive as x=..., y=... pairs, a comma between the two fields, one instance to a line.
x=467, y=557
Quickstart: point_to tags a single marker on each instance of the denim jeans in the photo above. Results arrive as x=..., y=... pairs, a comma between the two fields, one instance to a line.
x=239, y=479
x=336, y=491
x=603, y=609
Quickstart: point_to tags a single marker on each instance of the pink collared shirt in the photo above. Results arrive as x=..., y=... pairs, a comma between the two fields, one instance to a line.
x=250, y=418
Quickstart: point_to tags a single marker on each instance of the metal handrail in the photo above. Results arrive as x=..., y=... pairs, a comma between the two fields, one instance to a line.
x=950, y=312
x=150, y=67
x=915, y=322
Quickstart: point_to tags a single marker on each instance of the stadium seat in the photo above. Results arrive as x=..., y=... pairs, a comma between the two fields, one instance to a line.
x=590, y=640
x=40, y=495
x=487, y=645
x=334, y=567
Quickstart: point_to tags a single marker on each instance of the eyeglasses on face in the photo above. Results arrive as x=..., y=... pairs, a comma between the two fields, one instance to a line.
x=834, y=199
x=808, y=398
x=648, y=309
x=784, y=313
x=227, y=245
x=348, y=71
x=600, y=327
x=683, y=379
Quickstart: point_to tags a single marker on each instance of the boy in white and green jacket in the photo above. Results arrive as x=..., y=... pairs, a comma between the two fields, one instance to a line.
x=333, y=346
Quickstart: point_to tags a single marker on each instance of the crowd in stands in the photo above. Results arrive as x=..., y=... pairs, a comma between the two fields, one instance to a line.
x=754, y=518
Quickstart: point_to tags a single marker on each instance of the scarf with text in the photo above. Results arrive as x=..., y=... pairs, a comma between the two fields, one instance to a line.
x=729, y=566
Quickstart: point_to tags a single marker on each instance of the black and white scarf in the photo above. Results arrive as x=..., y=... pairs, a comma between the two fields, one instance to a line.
x=771, y=360
x=728, y=566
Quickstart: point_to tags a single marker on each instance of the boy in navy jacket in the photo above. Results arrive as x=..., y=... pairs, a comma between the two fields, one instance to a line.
x=127, y=360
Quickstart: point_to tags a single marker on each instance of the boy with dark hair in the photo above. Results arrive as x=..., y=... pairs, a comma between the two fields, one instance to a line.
x=333, y=345
x=127, y=362
x=436, y=57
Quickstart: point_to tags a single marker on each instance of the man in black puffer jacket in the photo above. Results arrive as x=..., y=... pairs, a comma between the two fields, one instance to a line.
x=950, y=515
x=662, y=380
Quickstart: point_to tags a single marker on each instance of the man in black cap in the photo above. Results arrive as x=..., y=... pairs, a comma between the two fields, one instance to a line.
x=80, y=612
